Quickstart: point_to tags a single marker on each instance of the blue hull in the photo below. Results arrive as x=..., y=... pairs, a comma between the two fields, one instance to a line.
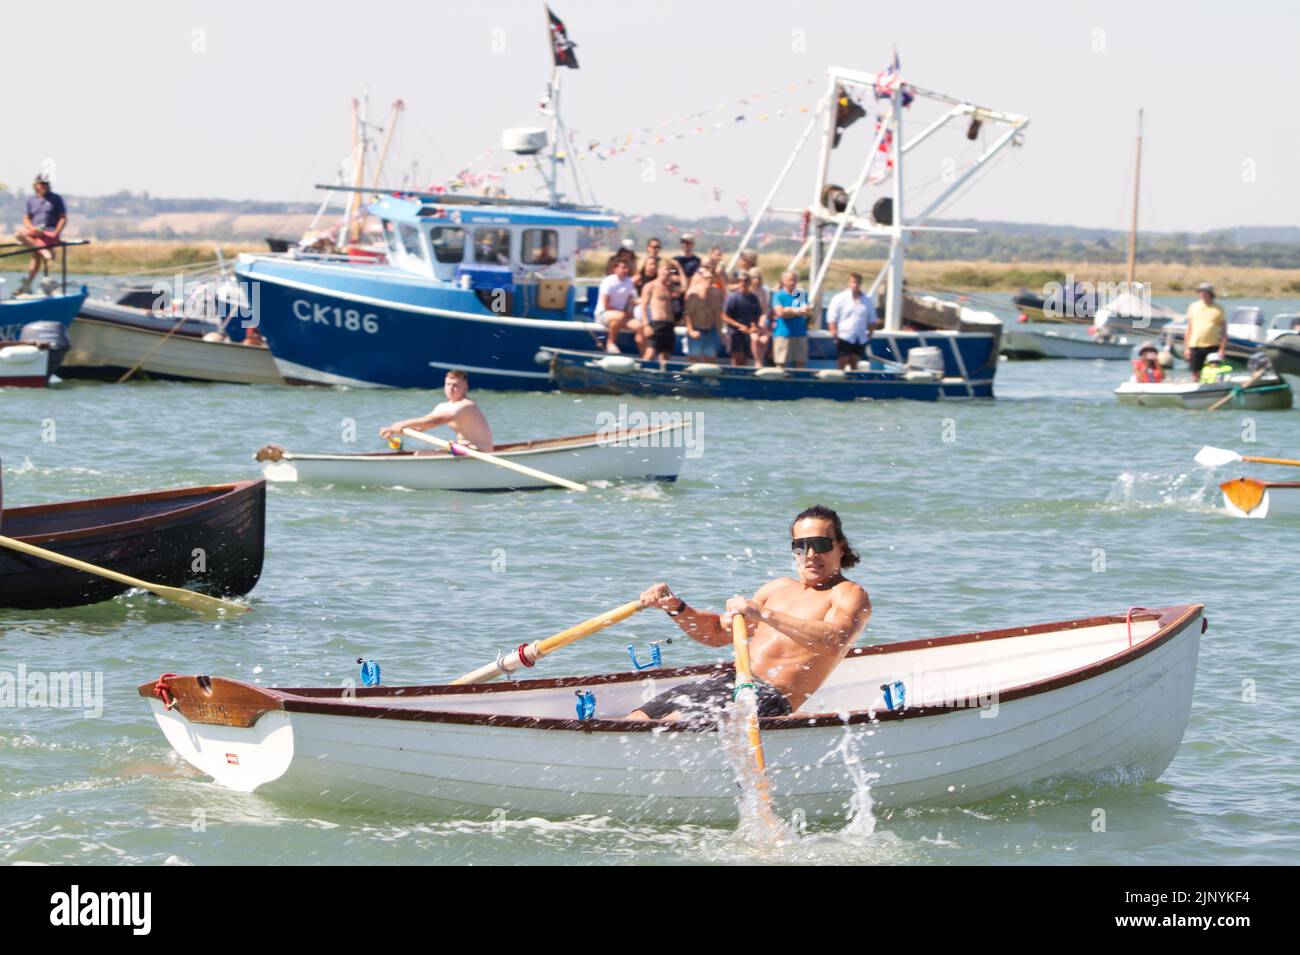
x=375, y=326
x=581, y=372
x=372, y=326
x=15, y=313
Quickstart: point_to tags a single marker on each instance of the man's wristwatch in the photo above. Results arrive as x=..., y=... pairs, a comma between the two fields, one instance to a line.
x=681, y=606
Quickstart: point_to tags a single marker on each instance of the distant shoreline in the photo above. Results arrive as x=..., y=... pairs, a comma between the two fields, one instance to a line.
x=127, y=256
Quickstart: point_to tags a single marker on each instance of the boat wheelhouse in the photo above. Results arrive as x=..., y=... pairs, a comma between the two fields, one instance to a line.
x=474, y=283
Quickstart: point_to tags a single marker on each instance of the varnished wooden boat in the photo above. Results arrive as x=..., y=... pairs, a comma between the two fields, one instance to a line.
x=638, y=454
x=204, y=538
x=1254, y=498
x=982, y=714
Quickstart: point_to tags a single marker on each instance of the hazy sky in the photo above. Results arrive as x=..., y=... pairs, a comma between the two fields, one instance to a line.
x=256, y=104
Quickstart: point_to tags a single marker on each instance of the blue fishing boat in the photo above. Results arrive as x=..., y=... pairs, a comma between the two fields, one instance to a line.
x=60, y=307
x=589, y=372
x=475, y=283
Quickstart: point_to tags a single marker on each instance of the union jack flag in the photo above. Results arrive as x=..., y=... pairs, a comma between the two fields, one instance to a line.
x=888, y=80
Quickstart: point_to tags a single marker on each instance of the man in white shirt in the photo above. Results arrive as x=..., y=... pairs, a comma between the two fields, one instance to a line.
x=850, y=320
x=614, y=302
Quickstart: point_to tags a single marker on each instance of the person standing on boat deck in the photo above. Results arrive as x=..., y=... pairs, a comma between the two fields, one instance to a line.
x=704, y=315
x=689, y=263
x=791, y=310
x=458, y=412
x=744, y=313
x=850, y=320
x=43, y=224
x=648, y=270
x=800, y=627
x=614, y=302
x=659, y=302
x=1207, y=330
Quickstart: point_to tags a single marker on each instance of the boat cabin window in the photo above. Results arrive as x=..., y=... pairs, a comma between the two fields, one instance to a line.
x=1246, y=315
x=540, y=247
x=411, y=240
x=390, y=238
x=492, y=246
x=448, y=243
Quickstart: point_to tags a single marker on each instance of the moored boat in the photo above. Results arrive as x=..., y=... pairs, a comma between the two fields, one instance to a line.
x=591, y=372
x=25, y=364
x=1030, y=344
x=652, y=453
x=1100, y=697
x=207, y=538
x=1251, y=497
x=1269, y=393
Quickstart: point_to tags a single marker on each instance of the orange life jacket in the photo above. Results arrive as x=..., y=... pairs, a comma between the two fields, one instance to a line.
x=1147, y=374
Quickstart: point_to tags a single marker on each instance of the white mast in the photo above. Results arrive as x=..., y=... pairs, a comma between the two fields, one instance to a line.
x=894, y=294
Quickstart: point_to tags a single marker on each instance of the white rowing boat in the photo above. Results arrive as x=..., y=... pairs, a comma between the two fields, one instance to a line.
x=1250, y=497
x=1269, y=393
x=1106, y=698
x=1030, y=344
x=638, y=454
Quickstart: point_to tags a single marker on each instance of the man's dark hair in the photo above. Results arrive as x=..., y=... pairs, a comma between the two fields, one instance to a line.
x=856, y=275
x=824, y=513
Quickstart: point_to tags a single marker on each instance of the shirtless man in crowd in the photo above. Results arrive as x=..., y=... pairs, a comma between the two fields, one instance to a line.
x=800, y=628
x=458, y=412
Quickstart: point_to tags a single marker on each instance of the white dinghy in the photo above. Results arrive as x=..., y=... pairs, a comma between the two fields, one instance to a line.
x=973, y=716
x=652, y=453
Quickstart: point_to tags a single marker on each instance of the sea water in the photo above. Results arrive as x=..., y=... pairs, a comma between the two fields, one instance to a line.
x=1051, y=502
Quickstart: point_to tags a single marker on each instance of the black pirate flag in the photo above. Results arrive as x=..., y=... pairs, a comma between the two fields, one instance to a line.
x=561, y=45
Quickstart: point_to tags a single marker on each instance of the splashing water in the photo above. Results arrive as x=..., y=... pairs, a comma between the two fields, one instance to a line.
x=1150, y=489
x=861, y=818
x=759, y=823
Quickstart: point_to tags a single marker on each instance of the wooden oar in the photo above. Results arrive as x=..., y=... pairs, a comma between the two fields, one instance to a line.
x=186, y=598
x=492, y=459
x=1245, y=494
x=526, y=654
x=1209, y=457
x=745, y=687
x=1236, y=391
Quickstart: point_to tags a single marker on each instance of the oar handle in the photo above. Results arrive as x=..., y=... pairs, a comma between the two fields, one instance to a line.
x=745, y=683
x=740, y=648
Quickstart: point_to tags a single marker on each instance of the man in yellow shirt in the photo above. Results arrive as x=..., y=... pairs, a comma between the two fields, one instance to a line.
x=1207, y=330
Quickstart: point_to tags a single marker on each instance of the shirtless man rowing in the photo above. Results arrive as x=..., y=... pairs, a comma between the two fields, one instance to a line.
x=800, y=628
x=458, y=412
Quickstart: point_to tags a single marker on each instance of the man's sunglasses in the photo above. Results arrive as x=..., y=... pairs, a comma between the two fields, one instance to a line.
x=822, y=545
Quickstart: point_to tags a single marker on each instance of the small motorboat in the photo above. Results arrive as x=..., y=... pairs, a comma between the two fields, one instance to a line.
x=1254, y=498
x=1030, y=344
x=950, y=720
x=652, y=453
x=209, y=539
x=1267, y=393
x=1283, y=351
x=26, y=364
x=922, y=379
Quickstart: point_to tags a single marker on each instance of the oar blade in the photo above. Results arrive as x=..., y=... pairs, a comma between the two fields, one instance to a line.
x=1209, y=457
x=200, y=603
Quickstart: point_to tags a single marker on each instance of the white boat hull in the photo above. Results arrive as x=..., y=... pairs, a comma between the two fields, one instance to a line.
x=24, y=365
x=1030, y=344
x=1266, y=395
x=437, y=749
x=655, y=455
x=102, y=348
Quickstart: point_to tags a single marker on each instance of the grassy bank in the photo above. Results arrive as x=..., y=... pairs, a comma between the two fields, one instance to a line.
x=118, y=256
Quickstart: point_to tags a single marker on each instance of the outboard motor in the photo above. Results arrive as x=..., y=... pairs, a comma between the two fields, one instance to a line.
x=52, y=334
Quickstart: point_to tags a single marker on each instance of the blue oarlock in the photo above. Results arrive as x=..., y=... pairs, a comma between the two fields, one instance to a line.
x=369, y=672
x=586, y=704
x=895, y=695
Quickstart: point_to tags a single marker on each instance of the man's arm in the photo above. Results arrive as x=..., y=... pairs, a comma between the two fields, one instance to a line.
x=58, y=226
x=847, y=618
x=443, y=414
x=700, y=625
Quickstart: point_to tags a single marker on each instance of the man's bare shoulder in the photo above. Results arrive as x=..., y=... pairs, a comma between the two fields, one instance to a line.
x=851, y=593
x=773, y=587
